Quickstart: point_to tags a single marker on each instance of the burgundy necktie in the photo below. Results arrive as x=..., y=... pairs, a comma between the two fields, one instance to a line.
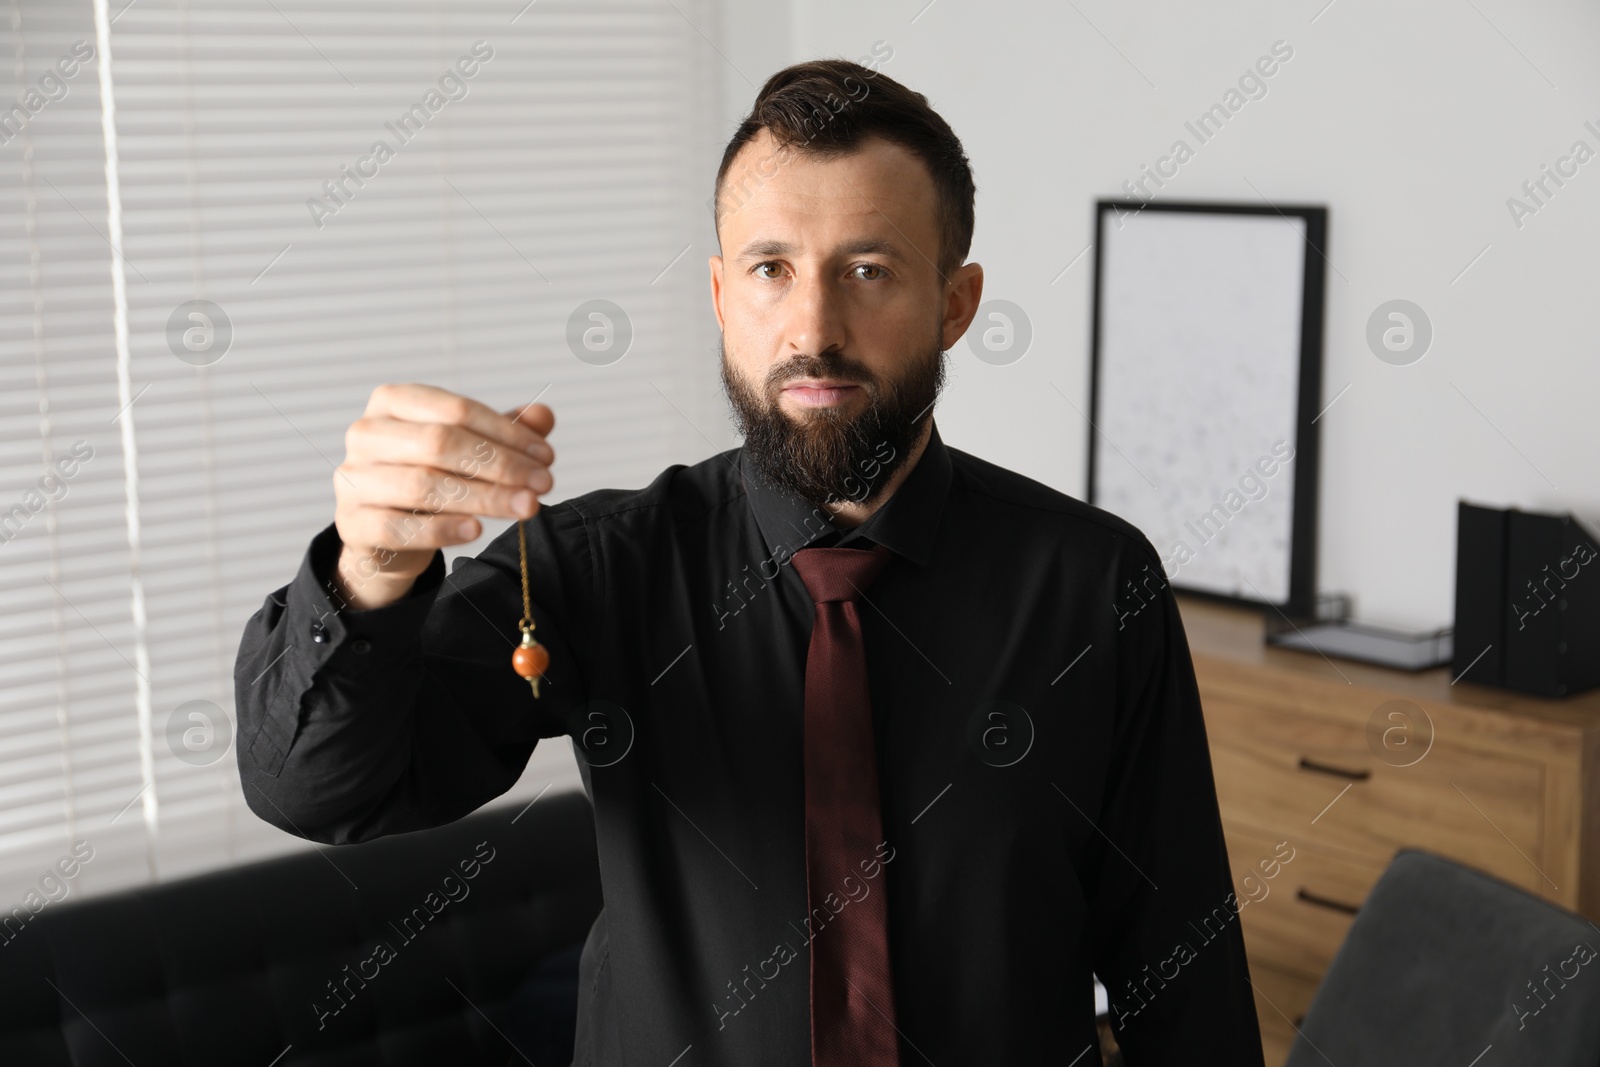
x=852, y=999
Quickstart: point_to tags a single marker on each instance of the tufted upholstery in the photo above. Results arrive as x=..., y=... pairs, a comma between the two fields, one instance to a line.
x=224, y=969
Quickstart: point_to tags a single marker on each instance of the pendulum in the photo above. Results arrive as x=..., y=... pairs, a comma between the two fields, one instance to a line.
x=530, y=659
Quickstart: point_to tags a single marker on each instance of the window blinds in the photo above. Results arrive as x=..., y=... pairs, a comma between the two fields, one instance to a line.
x=315, y=196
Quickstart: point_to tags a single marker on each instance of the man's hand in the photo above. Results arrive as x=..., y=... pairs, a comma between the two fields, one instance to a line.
x=419, y=464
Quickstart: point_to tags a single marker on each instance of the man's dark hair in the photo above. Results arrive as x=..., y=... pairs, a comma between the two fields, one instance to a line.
x=827, y=107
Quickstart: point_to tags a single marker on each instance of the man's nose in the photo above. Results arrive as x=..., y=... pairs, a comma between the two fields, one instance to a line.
x=815, y=321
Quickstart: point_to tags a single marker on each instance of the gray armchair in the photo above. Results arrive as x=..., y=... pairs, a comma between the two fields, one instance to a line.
x=1444, y=965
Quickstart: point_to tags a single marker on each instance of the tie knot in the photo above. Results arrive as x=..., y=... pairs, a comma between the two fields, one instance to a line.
x=834, y=574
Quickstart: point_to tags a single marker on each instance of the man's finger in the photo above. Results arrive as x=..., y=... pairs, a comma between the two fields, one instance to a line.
x=417, y=402
x=423, y=489
x=407, y=530
x=444, y=446
x=535, y=415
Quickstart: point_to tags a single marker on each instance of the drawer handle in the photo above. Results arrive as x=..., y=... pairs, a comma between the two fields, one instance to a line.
x=1337, y=772
x=1324, y=902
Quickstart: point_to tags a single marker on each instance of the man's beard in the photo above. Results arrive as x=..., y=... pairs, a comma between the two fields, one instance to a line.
x=835, y=456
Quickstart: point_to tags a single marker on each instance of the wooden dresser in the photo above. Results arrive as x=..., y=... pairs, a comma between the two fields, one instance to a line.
x=1348, y=763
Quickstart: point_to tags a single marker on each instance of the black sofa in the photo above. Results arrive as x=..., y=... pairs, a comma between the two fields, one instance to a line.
x=279, y=964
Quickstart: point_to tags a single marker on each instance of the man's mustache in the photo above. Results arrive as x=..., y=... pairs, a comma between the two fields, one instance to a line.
x=838, y=370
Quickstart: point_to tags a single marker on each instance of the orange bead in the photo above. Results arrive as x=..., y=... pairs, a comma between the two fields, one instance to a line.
x=530, y=661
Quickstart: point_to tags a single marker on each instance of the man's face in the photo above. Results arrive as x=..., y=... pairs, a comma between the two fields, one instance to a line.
x=834, y=318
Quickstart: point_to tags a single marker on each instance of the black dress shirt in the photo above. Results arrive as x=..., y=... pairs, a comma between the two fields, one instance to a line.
x=1047, y=794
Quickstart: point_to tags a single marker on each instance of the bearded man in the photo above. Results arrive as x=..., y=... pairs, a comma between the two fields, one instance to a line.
x=891, y=750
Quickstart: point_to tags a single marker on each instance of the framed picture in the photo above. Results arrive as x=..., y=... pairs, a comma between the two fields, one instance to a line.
x=1206, y=381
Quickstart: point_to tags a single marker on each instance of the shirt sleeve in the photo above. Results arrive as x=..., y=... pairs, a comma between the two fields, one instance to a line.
x=358, y=723
x=1166, y=936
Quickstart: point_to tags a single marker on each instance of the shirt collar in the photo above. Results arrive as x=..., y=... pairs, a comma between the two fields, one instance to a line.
x=906, y=524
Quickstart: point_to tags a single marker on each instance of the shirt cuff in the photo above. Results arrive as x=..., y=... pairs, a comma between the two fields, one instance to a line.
x=345, y=641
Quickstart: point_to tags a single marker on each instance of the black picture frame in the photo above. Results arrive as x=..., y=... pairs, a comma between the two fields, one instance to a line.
x=1301, y=598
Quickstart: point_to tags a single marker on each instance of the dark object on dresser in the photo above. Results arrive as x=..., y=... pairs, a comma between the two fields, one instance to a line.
x=1527, y=601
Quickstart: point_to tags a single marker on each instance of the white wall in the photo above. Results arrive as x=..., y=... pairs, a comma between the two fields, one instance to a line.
x=1413, y=122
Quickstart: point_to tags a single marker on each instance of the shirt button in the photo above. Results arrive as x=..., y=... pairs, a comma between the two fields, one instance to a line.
x=361, y=644
x=319, y=633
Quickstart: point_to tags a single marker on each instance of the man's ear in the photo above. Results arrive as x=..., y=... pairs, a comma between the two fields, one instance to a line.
x=715, y=263
x=962, y=294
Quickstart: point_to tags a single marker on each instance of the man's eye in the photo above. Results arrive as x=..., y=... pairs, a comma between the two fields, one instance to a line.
x=869, y=271
x=762, y=268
